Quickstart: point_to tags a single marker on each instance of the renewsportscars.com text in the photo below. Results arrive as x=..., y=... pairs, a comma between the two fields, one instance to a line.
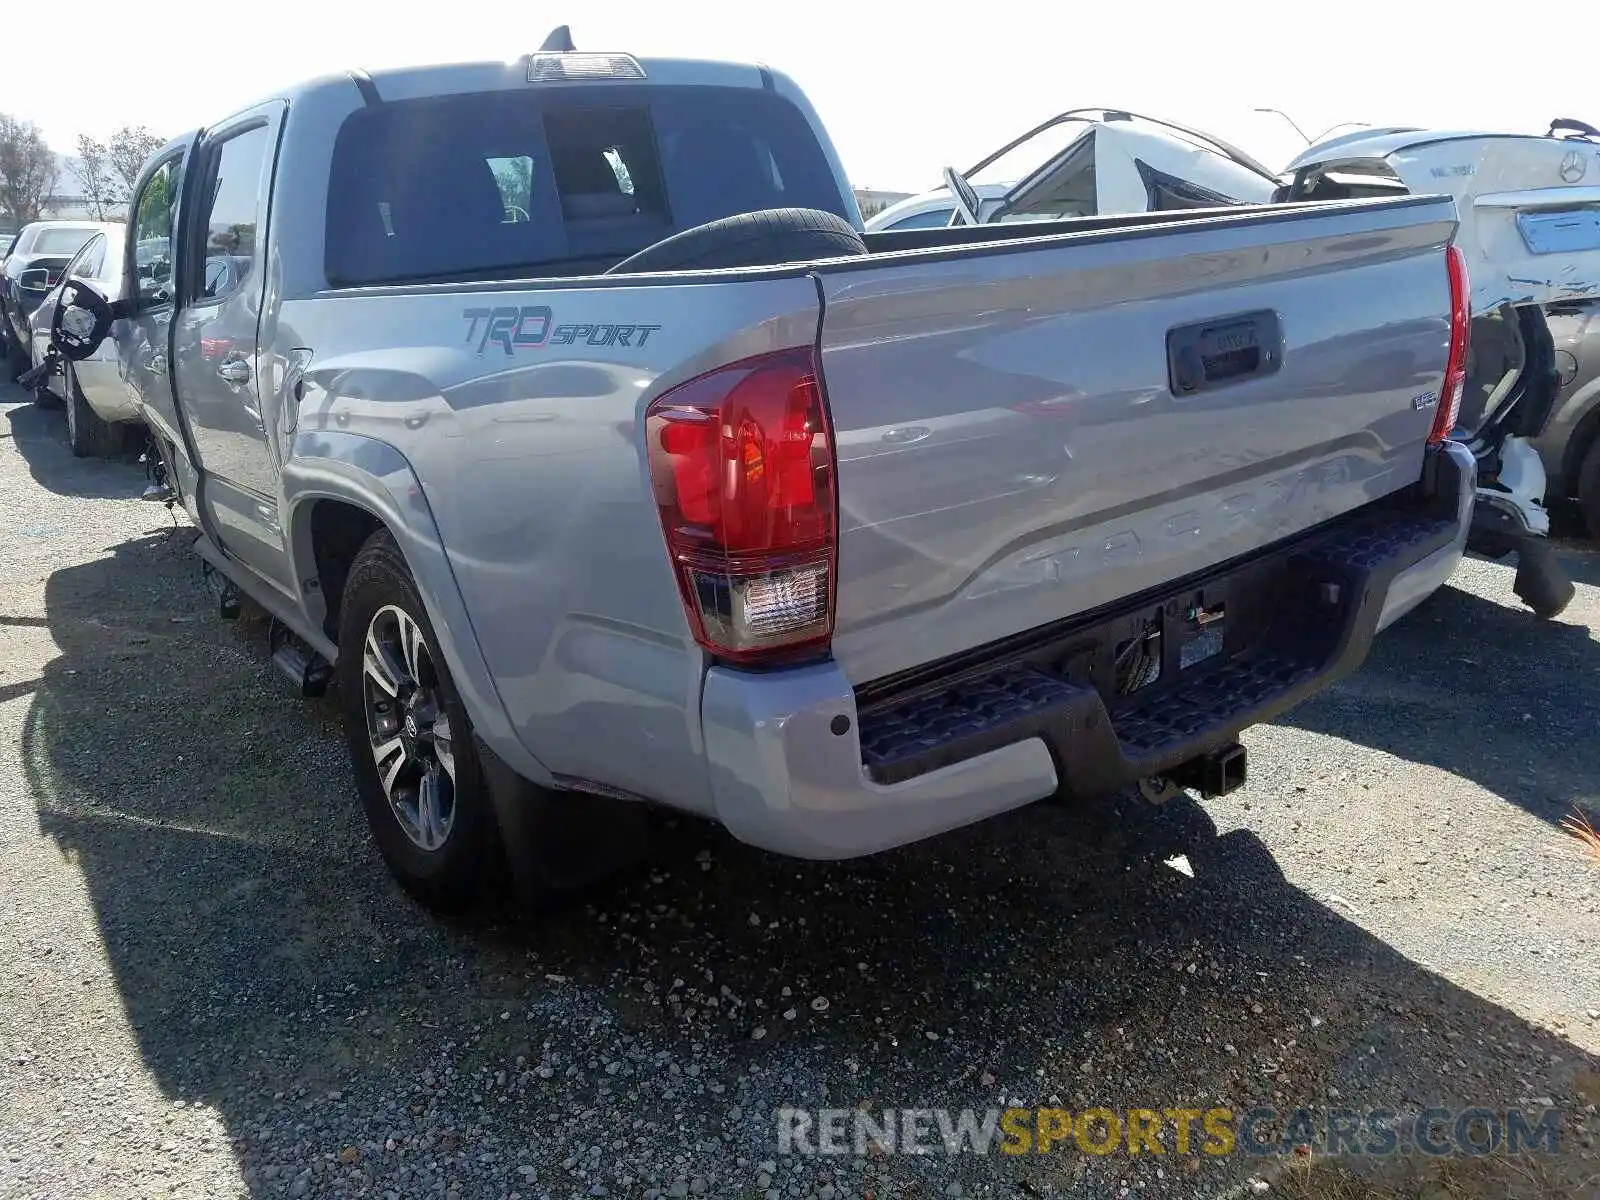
x=1213, y=1131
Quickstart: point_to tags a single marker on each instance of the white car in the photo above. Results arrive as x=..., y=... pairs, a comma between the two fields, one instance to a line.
x=931, y=210
x=1090, y=162
x=100, y=410
x=31, y=264
x=1529, y=207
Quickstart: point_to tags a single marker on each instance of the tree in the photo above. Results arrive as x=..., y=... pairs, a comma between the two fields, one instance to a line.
x=102, y=188
x=155, y=205
x=28, y=169
x=515, y=179
x=129, y=149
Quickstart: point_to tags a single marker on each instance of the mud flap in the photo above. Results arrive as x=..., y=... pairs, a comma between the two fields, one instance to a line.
x=558, y=842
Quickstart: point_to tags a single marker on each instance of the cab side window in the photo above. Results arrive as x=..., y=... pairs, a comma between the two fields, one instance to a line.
x=231, y=219
x=152, y=233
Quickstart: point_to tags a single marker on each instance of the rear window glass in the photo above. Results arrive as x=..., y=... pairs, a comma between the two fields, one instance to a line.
x=61, y=241
x=497, y=184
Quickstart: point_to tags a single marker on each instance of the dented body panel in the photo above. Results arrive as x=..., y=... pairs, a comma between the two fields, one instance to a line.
x=1529, y=206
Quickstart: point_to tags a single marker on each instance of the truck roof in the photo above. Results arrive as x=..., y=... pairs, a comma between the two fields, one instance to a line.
x=585, y=68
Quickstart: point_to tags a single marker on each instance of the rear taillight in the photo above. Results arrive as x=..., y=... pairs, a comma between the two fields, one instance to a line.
x=741, y=461
x=1455, y=368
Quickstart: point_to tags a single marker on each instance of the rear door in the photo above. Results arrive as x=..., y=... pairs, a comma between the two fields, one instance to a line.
x=215, y=337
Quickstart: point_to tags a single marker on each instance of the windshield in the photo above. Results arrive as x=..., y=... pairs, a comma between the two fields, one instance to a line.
x=508, y=183
x=61, y=241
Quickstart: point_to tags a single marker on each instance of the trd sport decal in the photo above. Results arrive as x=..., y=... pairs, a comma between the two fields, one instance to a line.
x=533, y=325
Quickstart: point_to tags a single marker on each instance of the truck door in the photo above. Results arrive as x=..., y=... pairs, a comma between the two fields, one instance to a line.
x=143, y=339
x=216, y=333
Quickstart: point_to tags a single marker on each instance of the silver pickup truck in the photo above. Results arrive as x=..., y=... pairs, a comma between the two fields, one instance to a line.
x=559, y=412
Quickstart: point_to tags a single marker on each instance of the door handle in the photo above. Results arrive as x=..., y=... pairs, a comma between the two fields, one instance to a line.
x=235, y=371
x=156, y=364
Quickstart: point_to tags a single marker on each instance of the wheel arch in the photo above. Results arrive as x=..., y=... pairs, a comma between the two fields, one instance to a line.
x=1585, y=431
x=339, y=489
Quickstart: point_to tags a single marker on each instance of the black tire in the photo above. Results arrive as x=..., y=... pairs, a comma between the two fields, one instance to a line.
x=1541, y=581
x=1589, y=488
x=44, y=397
x=87, y=434
x=462, y=872
x=758, y=239
x=17, y=358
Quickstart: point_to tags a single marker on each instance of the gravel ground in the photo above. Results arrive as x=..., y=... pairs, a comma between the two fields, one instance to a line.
x=209, y=987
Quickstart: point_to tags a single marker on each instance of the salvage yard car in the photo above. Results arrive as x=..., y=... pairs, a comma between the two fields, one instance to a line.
x=1570, y=443
x=1089, y=162
x=101, y=415
x=1529, y=207
x=31, y=267
x=564, y=415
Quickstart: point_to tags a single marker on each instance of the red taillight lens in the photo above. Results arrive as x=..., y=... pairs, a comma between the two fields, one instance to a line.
x=1455, y=368
x=741, y=460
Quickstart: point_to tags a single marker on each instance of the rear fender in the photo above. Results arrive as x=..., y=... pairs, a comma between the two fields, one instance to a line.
x=374, y=476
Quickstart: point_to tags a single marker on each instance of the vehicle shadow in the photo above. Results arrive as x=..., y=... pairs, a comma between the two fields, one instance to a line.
x=270, y=971
x=1482, y=690
x=1582, y=563
x=40, y=436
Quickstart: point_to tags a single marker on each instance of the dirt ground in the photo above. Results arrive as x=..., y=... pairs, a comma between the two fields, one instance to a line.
x=210, y=987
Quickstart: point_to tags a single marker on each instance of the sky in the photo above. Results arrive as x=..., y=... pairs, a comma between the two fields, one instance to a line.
x=902, y=91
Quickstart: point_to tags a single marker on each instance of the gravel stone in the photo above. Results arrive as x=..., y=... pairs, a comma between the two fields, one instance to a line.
x=210, y=985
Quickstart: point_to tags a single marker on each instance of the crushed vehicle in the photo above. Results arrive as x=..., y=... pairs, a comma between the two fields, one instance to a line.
x=1529, y=207
x=1570, y=443
x=1089, y=162
x=560, y=412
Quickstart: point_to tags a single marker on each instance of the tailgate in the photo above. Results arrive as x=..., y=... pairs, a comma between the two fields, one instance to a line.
x=1011, y=448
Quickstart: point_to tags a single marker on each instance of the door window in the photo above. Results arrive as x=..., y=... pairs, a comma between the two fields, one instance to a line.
x=232, y=216
x=91, y=259
x=1165, y=193
x=934, y=218
x=152, y=232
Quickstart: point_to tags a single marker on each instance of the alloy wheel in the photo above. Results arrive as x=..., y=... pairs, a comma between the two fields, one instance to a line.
x=408, y=728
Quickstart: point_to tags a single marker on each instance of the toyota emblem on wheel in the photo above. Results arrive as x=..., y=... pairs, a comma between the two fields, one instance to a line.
x=1573, y=167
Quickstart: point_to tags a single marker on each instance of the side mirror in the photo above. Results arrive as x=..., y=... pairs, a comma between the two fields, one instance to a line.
x=81, y=321
x=35, y=279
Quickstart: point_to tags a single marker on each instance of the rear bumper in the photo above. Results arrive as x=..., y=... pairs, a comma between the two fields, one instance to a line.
x=1423, y=578
x=800, y=767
